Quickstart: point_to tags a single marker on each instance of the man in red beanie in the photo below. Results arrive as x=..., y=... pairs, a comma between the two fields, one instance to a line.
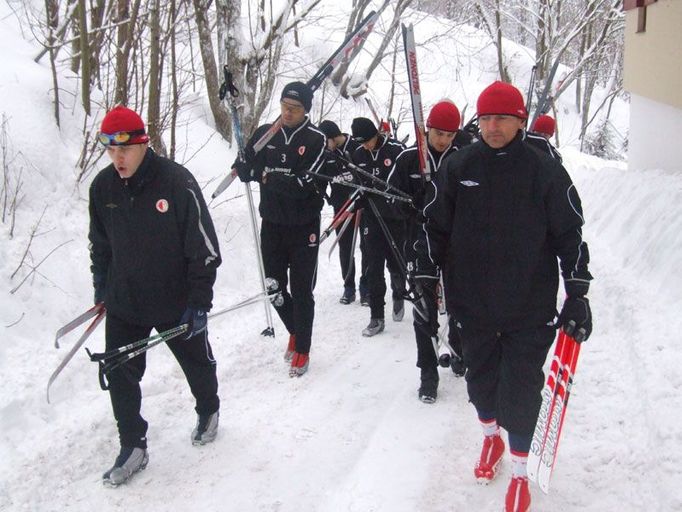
x=502, y=222
x=290, y=205
x=540, y=133
x=442, y=126
x=154, y=256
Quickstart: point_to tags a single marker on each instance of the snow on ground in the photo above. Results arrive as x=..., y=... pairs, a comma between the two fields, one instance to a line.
x=349, y=436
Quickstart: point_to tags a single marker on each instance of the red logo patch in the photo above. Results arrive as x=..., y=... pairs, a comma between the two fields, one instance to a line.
x=162, y=205
x=301, y=150
x=387, y=162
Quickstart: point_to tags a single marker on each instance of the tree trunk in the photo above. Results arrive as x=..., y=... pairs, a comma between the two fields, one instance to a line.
x=220, y=115
x=52, y=13
x=154, y=104
x=84, y=56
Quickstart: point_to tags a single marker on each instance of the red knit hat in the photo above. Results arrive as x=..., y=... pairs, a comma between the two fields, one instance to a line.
x=444, y=116
x=122, y=119
x=545, y=125
x=503, y=99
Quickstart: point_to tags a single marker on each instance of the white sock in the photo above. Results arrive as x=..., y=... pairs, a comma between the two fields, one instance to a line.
x=519, y=462
x=490, y=427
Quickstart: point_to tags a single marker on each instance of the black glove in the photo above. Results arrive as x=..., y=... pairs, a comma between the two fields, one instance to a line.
x=100, y=285
x=576, y=318
x=243, y=170
x=196, y=321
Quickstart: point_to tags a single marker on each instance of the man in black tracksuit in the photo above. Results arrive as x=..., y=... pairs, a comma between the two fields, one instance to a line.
x=340, y=147
x=539, y=135
x=377, y=155
x=290, y=207
x=442, y=127
x=501, y=215
x=154, y=257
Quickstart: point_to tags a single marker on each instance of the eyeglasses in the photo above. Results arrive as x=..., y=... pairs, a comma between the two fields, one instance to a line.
x=291, y=108
x=118, y=138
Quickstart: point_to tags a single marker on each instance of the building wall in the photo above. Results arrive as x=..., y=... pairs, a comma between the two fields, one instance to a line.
x=653, y=58
x=654, y=130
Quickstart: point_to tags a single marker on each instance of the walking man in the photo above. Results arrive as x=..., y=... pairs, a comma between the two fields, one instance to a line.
x=290, y=207
x=442, y=126
x=340, y=146
x=376, y=156
x=154, y=256
x=503, y=221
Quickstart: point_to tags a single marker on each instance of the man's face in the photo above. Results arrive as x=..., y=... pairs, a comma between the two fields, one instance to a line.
x=499, y=130
x=331, y=144
x=293, y=112
x=440, y=140
x=371, y=143
x=127, y=159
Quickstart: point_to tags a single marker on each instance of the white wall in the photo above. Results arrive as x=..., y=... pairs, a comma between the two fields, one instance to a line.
x=655, y=130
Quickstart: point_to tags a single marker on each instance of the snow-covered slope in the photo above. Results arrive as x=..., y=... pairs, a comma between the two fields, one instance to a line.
x=350, y=435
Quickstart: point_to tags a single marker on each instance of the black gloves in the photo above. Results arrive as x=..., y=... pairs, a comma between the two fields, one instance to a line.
x=243, y=170
x=576, y=318
x=100, y=285
x=196, y=321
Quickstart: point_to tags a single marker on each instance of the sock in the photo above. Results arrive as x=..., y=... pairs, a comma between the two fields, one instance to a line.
x=489, y=426
x=519, y=461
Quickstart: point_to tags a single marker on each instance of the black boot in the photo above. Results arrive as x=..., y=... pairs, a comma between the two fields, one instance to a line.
x=428, y=391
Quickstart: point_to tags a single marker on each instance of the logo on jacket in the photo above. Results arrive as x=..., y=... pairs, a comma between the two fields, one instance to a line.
x=162, y=205
x=312, y=239
x=469, y=183
x=387, y=162
x=301, y=150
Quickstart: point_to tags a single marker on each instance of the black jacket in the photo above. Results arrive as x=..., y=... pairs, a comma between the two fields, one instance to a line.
x=496, y=222
x=152, y=241
x=289, y=194
x=538, y=141
x=335, y=167
x=407, y=177
x=379, y=163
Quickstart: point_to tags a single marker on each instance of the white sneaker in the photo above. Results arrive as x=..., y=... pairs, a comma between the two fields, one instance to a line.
x=376, y=325
x=129, y=461
x=206, y=429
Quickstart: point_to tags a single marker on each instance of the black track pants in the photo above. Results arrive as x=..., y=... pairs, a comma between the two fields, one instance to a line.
x=290, y=256
x=379, y=255
x=505, y=373
x=196, y=360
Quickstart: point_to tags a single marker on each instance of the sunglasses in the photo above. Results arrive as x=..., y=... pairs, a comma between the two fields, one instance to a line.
x=118, y=138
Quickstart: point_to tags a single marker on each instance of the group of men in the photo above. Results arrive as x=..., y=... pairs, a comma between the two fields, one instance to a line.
x=495, y=221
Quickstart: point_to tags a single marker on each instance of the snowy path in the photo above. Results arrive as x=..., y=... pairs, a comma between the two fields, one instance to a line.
x=350, y=436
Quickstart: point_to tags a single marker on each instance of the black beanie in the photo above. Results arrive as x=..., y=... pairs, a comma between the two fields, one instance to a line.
x=363, y=129
x=298, y=91
x=330, y=129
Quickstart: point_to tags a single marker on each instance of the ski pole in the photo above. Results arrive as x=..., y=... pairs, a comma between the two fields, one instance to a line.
x=378, y=181
x=229, y=90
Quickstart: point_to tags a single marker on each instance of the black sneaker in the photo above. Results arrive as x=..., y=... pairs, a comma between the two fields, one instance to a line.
x=348, y=296
x=364, y=300
x=206, y=429
x=457, y=365
x=428, y=390
x=129, y=461
x=398, y=310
